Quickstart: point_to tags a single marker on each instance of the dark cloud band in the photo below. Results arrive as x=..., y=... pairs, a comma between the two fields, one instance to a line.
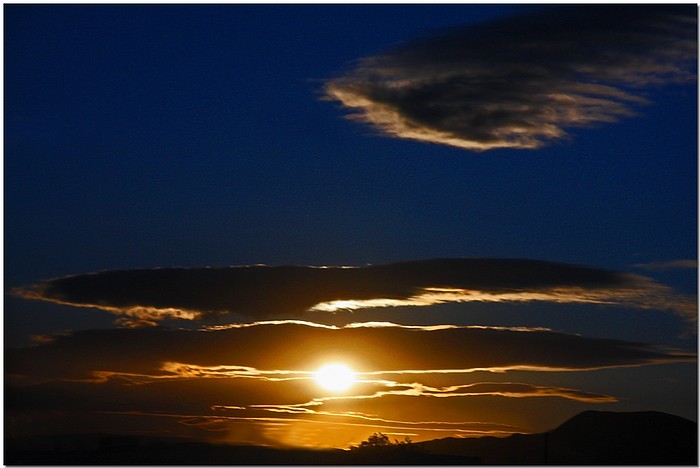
x=263, y=372
x=278, y=350
x=264, y=291
x=520, y=82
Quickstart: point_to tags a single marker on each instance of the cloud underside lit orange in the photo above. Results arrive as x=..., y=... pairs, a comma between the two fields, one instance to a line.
x=218, y=408
x=144, y=297
x=293, y=347
x=201, y=404
x=255, y=382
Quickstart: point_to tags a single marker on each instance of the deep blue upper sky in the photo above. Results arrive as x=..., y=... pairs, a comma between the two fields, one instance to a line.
x=156, y=136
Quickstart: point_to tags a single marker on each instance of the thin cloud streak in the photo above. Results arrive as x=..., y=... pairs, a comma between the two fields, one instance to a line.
x=174, y=370
x=259, y=292
x=681, y=264
x=373, y=324
x=314, y=408
x=304, y=410
x=257, y=370
x=477, y=429
x=504, y=389
x=277, y=351
x=520, y=82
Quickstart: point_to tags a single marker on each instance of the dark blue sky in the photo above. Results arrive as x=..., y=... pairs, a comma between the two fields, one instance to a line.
x=156, y=136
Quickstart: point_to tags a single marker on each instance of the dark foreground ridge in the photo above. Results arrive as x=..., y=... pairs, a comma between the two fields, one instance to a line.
x=590, y=438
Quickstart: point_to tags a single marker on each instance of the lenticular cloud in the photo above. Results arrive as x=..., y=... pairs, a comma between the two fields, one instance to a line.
x=520, y=82
x=260, y=292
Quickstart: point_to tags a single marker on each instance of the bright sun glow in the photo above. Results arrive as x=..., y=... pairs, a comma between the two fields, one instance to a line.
x=335, y=377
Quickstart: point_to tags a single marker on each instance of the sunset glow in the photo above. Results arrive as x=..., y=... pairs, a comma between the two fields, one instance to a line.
x=335, y=377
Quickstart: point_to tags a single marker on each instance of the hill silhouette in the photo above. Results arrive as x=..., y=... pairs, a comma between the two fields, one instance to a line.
x=590, y=438
x=109, y=449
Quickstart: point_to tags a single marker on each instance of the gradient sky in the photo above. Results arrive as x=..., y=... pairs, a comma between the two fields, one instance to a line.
x=433, y=148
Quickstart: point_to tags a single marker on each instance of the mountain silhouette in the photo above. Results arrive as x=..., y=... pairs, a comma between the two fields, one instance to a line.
x=590, y=438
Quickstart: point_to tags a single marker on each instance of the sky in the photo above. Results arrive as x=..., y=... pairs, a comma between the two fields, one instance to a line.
x=487, y=212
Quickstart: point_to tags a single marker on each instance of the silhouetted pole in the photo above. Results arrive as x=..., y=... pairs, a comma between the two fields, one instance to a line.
x=546, y=448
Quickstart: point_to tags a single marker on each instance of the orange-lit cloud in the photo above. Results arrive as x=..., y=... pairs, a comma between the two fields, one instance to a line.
x=288, y=351
x=302, y=412
x=520, y=82
x=245, y=382
x=338, y=424
x=415, y=389
x=213, y=407
x=364, y=380
x=147, y=296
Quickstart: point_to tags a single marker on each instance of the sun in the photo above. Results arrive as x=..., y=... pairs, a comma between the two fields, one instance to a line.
x=335, y=377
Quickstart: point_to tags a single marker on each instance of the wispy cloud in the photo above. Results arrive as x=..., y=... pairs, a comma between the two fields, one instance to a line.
x=285, y=352
x=327, y=409
x=459, y=428
x=680, y=264
x=520, y=82
x=147, y=296
x=416, y=389
x=263, y=374
x=364, y=380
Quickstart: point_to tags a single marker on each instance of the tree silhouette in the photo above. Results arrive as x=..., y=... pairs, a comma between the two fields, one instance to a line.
x=376, y=440
x=380, y=440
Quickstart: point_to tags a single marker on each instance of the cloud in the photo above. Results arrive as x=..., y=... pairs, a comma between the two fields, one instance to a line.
x=520, y=82
x=149, y=295
x=290, y=351
x=199, y=401
x=248, y=377
x=681, y=264
x=365, y=381
x=415, y=389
